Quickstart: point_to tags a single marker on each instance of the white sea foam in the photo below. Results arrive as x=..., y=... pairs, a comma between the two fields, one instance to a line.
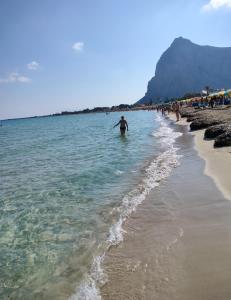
x=166, y=134
x=159, y=169
x=88, y=289
x=119, y=172
x=116, y=232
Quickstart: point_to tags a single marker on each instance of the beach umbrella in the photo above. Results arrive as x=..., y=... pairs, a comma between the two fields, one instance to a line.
x=214, y=94
x=228, y=92
x=221, y=93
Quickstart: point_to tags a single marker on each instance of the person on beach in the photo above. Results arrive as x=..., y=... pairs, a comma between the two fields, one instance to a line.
x=123, y=125
x=211, y=103
x=176, y=109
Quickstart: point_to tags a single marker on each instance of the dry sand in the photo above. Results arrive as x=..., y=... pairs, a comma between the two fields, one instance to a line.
x=182, y=121
x=217, y=160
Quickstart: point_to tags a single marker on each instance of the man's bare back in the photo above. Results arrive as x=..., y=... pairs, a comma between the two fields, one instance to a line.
x=123, y=125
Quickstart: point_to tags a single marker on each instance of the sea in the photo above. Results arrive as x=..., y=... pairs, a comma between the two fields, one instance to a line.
x=67, y=186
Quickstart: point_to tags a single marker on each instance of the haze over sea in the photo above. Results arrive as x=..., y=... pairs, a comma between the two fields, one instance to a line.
x=67, y=184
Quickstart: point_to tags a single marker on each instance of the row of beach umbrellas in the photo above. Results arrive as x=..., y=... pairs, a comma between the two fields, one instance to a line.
x=215, y=94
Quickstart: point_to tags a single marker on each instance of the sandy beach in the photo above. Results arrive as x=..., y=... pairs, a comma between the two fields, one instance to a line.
x=217, y=160
x=177, y=244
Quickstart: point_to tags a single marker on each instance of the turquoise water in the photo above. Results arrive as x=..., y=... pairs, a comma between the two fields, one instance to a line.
x=62, y=183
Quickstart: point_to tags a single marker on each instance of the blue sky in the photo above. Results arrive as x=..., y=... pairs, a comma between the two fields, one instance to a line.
x=74, y=54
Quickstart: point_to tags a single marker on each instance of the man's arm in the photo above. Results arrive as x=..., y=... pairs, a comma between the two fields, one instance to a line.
x=116, y=124
x=126, y=125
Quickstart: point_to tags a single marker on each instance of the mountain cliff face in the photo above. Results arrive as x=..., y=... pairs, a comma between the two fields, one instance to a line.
x=185, y=68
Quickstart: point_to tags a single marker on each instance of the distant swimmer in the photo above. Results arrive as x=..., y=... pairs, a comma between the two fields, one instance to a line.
x=123, y=125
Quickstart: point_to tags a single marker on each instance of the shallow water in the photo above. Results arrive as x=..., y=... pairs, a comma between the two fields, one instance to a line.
x=67, y=184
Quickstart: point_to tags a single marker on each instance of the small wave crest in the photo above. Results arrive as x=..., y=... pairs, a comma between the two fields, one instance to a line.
x=166, y=134
x=159, y=169
x=88, y=289
x=119, y=172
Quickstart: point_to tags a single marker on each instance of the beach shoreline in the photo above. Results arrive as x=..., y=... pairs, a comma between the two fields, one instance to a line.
x=176, y=243
x=217, y=160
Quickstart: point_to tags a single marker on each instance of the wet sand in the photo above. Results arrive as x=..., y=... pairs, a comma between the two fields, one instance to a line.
x=218, y=162
x=177, y=244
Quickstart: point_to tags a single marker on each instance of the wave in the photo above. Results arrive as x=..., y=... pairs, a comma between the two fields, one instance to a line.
x=166, y=134
x=119, y=172
x=159, y=169
x=88, y=289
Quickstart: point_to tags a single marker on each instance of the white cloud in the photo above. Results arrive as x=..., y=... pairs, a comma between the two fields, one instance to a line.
x=78, y=46
x=15, y=77
x=33, y=65
x=216, y=4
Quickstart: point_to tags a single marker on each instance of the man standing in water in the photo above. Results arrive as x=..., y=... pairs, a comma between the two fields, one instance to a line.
x=123, y=125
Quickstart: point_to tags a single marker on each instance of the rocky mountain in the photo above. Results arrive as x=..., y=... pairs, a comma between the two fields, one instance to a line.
x=187, y=68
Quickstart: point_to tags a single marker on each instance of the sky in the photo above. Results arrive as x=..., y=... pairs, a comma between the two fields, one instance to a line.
x=76, y=54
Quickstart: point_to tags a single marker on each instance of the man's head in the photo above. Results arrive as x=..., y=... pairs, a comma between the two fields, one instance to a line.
x=122, y=118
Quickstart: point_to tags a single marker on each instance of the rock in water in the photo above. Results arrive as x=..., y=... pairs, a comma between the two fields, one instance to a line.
x=186, y=67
